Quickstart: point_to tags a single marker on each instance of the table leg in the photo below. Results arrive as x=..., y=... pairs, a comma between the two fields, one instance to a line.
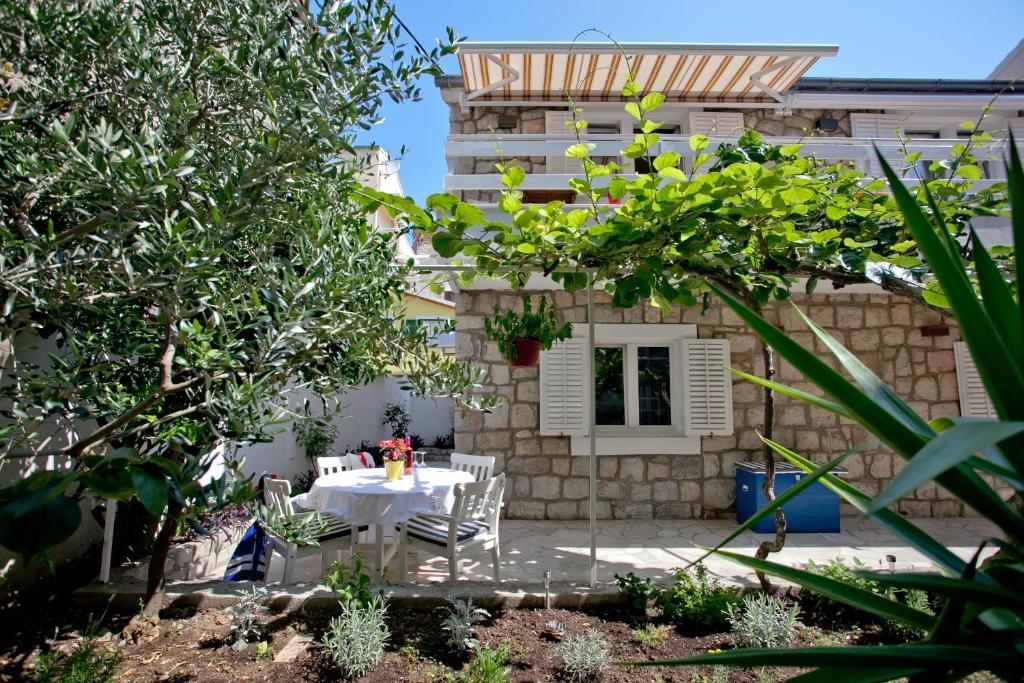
x=378, y=549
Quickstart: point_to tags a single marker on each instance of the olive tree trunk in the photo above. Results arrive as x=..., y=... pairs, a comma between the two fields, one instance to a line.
x=774, y=546
x=158, y=561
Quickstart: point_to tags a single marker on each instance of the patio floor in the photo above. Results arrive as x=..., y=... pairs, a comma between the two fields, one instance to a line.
x=654, y=547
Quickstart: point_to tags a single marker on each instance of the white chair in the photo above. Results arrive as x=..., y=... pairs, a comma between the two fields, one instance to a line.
x=335, y=537
x=472, y=523
x=360, y=461
x=480, y=466
x=332, y=464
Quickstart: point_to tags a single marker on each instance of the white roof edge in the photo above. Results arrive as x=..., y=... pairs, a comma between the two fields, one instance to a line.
x=474, y=47
x=1007, y=62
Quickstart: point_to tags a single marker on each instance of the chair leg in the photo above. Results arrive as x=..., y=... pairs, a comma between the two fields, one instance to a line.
x=453, y=565
x=403, y=553
x=289, y=564
x=496, y=562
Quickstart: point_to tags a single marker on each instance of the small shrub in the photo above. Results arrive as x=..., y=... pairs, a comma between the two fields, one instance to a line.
x=355, y=640
x=445, y=441
x=460, y=623
x=303, y=482
x=316, y=436
x=584, y=656
x=417, y=442
x=638, y=592
x=488, y=666
x=831, y=613
x=719, y=674
x=697, y=601
x=650, y=635
x=352, y=585
x=397, y=419
x=86, y=663
x=245, y=617
x=763, y=621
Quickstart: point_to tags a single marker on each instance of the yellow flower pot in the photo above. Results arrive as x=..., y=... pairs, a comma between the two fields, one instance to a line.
x=393, y=470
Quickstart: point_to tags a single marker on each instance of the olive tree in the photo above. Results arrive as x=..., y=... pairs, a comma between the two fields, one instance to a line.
x=180, y=238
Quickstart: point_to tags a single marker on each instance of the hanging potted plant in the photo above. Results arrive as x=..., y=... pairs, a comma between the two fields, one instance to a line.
x=522, y=336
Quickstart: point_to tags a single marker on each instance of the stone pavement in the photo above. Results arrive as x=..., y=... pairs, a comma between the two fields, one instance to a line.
x=654, y=547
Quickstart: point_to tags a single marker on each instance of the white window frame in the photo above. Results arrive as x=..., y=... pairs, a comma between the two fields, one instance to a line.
x=656, y=439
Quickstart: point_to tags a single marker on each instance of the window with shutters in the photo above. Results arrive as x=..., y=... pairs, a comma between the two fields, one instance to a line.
x=653, y=389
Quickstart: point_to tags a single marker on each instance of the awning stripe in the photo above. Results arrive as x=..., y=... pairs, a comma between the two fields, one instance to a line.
x=698, y=74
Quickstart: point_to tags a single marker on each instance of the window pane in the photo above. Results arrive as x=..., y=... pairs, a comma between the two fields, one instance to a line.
x=609, y=386
x=654, y=385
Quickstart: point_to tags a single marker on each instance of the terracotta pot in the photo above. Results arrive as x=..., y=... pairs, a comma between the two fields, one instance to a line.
x=527, y=353
x=393, y=469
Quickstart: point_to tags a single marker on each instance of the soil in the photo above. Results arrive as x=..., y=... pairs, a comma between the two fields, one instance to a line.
x=191, y=645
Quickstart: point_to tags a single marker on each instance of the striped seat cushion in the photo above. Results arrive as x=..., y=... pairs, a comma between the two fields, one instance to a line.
x=435, y=529
x=336, y=528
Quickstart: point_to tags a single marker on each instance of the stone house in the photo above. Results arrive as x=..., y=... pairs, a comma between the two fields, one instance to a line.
x=670, y=422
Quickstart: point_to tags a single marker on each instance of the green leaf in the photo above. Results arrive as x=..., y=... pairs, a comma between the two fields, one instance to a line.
x=513, y=177
x=630, y=88
x=151, y=489
x=810, y=399
x=790, y=150
x=652, y=101
x=509, y=203
x=834, y=212
x=698, y=142
x=578, y=151
x=526, y=248
x=633, y=109
x=666, y=160
x=997, y=298
x=617, y=187
x=968, y=171
x=446, y=244
x=672, y=173
x=947, y=450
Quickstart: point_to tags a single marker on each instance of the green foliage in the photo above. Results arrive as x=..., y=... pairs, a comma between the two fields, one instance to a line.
x=979, y=626
x=300, y=528
x=181, y=248
x=763, y=621
x=696, y=601
x=585, y=656
x=487, y=666
x=87, y=662
x=245, y=617
x=396, y=417
x=303, y=482
x=316, y=436
x=355, y=640
x=637, y=591
x=825, y=611
x=460, y=622
x=650, y=635
x=352, y=584
x=541, y=325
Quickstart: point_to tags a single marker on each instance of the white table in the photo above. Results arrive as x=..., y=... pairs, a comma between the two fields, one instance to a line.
x=367, y=497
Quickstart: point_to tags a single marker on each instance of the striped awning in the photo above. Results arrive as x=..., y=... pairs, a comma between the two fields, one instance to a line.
x=598, y=71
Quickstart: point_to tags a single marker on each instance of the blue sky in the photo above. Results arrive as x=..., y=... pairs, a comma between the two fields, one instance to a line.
x=892, y=39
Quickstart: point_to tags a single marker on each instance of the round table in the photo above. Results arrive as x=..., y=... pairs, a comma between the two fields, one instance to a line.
x=367, y=497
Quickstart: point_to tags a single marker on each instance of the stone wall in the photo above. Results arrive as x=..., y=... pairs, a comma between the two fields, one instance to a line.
x=545, y=482
x=800, y=121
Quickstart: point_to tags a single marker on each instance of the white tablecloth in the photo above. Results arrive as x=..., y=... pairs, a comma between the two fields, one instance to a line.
x=367, y=497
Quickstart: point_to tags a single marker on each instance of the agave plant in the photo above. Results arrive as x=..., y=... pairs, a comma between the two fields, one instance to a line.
x=981, y=626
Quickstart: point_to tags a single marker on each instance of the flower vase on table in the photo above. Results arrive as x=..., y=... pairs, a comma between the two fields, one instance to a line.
x=396, y=454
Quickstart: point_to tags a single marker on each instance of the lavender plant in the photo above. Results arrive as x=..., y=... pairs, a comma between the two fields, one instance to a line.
x=763, y=621
x=245, y=617
x=460, y=623
x=584, y=656
x=355, y=640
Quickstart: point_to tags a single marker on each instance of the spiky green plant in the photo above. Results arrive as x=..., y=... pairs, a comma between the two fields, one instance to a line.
x=981, y=626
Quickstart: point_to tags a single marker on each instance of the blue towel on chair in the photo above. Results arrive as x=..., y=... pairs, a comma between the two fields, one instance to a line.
x=248, y=562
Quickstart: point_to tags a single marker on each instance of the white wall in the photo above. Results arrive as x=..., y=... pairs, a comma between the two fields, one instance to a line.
x=361, y=418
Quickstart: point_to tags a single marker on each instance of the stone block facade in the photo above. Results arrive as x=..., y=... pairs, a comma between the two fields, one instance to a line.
x=546, y=482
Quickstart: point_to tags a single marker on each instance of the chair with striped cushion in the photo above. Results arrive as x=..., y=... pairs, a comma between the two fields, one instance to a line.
x=473, y=523
x=335, y=537
x=480, y=466
x=332, y=464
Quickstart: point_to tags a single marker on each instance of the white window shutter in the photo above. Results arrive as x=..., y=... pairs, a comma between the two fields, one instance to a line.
x=878, y=126
x=707, y=387
x=560, y=123
x=565, y=389
x=722, y=124
x=974, y=400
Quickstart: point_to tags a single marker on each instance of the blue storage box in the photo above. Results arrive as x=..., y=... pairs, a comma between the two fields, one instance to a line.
x=814, y=509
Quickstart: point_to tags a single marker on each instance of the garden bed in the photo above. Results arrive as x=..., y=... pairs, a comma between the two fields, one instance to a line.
x=193, y=645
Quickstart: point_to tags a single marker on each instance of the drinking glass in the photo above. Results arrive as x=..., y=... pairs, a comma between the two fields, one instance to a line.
x=420, y=455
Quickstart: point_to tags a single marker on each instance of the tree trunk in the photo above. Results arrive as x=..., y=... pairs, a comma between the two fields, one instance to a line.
x=769, y=468
x=158, y=561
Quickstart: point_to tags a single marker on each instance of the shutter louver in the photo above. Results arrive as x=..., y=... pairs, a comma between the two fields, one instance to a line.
x=878, y=126
x=974, y=400
x=722, y=124
x=565, y=389
x=708, y=387
x=559, y=123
